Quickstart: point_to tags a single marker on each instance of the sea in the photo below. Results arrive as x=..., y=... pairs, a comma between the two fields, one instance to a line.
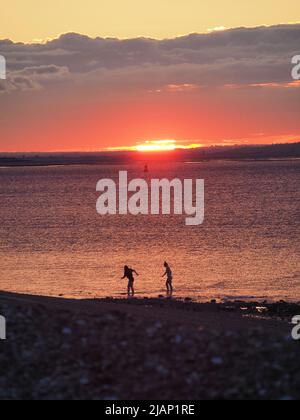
x=54, y=243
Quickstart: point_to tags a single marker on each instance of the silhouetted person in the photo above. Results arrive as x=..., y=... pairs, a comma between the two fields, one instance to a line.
x=169, y=275
x=128, y=273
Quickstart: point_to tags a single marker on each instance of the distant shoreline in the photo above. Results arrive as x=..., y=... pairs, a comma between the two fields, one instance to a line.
x=32, y=164
x=254, y=153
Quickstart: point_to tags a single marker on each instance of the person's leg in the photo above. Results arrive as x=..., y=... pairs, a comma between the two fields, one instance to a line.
x=130, y=289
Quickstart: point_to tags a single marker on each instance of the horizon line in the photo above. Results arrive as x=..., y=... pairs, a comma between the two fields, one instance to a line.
x=150, y=152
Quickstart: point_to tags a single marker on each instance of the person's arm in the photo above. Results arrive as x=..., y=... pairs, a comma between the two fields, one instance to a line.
x=165, y=274
x=136, y=273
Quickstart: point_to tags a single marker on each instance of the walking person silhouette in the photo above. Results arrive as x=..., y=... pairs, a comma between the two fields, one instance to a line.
x=169, y=275
x=128, y=273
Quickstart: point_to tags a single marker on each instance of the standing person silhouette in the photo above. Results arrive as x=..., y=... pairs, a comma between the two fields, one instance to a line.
x=169, y=275
x=128, y=273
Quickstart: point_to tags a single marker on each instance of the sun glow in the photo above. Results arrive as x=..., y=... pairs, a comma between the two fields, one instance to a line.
x=157, y=146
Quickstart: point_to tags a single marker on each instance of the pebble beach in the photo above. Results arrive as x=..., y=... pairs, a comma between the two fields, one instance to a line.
x=147, y=349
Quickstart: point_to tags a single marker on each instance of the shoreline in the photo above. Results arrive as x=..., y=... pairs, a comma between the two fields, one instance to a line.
x=161, y=296
x=259, y=310
x=146, y=349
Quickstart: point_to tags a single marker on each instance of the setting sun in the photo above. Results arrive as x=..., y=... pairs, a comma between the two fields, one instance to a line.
x=164, y=146
x=157, y=146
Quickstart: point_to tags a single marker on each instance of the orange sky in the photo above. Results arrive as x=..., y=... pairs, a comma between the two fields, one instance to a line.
x=54, y=123
x=77, y=93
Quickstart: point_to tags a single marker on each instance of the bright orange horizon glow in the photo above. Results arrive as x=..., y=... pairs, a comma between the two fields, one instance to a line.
x=156, y=146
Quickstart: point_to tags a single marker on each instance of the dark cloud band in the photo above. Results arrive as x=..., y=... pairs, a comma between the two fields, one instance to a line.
x=238, y=56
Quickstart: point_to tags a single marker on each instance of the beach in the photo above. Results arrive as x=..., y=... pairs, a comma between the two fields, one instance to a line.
x=147, y=349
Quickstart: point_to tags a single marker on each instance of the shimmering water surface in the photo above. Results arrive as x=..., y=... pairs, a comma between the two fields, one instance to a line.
x=52, y=241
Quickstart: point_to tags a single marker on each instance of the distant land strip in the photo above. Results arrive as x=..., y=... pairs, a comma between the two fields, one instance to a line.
x=261, y=152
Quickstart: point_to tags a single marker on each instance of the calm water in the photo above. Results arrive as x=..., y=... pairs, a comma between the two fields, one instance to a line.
x=52, y=241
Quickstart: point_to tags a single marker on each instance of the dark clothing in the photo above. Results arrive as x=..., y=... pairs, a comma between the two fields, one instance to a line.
x=129, y=274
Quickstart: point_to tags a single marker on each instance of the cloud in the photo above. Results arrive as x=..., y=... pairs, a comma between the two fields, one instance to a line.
x=237, y=56
x=75, y=92
x=34, y=78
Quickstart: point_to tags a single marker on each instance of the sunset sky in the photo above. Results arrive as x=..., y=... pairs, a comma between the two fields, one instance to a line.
x=69, y=87
x=29, y=20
